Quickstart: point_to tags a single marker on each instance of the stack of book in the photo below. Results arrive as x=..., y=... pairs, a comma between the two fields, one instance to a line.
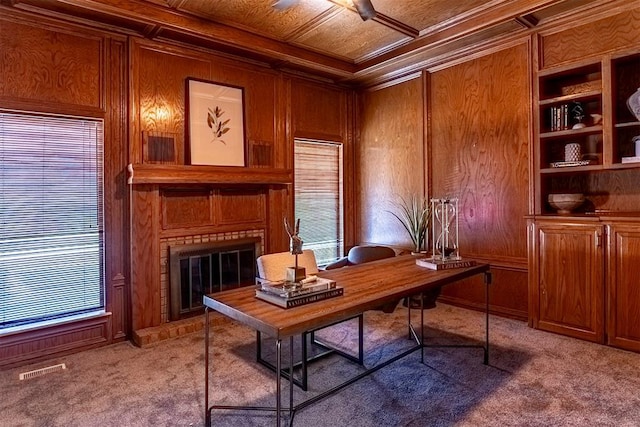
x=559, y=118
x=293, y=294
x=438, y=264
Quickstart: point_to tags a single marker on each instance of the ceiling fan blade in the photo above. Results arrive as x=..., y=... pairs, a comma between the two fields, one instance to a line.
x=284, y=4
x=365, y=9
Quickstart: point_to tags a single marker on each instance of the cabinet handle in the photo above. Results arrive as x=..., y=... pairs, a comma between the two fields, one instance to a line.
x=598, y=240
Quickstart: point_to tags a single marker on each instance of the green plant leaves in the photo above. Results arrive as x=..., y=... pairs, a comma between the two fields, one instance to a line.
x=216, y=124
x=415, y=216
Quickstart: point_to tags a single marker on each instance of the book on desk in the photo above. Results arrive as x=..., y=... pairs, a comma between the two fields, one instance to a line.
x=438, y=264
x=296, y=301
x=292, y=294
x=287, y=289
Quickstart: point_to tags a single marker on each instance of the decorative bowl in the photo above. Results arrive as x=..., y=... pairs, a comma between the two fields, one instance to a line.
x=565, y=203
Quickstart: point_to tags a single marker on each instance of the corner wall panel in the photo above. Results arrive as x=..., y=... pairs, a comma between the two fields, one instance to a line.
x=390, y=159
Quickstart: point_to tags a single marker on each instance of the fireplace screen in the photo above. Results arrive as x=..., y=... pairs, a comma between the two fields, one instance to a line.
x=201, y=269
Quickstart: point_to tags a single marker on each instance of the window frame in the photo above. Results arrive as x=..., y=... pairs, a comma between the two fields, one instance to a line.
x=340, y=238
x=91, y=132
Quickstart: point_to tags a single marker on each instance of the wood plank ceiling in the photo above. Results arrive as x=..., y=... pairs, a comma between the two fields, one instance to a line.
x=325, y=37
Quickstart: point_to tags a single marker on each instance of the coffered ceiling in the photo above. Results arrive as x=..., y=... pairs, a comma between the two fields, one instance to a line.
x=326, y=37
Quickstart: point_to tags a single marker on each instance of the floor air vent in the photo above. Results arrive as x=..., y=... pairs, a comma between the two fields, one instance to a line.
x=42, y=371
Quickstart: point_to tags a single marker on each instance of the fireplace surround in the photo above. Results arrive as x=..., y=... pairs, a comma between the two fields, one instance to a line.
x=204, y=268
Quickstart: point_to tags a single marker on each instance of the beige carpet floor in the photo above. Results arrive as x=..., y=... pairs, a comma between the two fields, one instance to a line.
x=534, y=378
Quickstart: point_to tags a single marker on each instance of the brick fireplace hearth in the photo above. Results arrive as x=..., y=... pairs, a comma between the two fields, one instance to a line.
x=174, y=328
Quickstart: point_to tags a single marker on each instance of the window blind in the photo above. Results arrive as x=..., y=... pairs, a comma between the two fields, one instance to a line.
x=51, y=218
x=318, y=197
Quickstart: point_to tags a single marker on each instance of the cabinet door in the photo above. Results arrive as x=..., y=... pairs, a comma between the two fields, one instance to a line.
x=571, y=282
x=623, y=321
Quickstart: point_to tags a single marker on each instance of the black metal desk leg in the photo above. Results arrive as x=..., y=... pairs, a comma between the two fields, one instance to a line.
x=305, y=357
x=421, y=327
x=207, y=415
x=487, y=282
x=409, y=335
x=361, y=339
x=291, y=377
x=278, y=371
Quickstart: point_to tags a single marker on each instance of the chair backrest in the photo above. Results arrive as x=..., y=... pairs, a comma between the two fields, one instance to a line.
x=362, y=254
x=274, y=266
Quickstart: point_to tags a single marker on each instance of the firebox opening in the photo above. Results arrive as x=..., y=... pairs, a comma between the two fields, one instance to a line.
x=200, y=269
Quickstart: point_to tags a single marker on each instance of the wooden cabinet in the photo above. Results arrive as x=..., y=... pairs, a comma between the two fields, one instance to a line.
x=584, y=267
x=567, y=272
x=583, y=276
x=623, y=286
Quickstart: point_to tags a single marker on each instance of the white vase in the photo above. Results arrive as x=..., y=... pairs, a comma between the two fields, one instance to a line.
x=633, y=103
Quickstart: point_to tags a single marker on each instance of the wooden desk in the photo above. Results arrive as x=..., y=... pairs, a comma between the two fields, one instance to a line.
x=366, y=286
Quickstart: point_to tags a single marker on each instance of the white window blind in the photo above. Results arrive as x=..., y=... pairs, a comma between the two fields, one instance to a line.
x=318, y=197
x=51, y=221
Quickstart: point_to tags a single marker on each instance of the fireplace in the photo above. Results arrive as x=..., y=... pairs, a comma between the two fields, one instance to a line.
x=199, y=269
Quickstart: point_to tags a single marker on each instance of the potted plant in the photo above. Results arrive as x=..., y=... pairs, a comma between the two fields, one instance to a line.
x=415, y=216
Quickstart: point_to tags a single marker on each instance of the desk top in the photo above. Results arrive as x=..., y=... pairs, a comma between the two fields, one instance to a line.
x=366, y=286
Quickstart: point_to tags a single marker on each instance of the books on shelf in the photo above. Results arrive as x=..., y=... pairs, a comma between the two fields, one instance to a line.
x=634, y=159
x=559, y=118
x=436, y=264
x=299, y=300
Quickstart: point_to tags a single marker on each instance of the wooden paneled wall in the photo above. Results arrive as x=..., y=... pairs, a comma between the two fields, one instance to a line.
x=322, y=113
x=52, y=68
x=462, y=130
x=277, y=108
x=138, y=87
x=39, y=71
x=479, y=146
x=577, y=42
x=390, y=159
x=476, y=144
x=325, y=111
x=479, y=141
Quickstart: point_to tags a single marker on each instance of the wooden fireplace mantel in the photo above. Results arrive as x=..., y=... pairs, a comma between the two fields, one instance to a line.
x=194, y=174
x=189, y=202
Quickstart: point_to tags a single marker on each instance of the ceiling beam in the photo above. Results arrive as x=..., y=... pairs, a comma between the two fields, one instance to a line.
x=478, y=21
x=156, y=19
x=396, y=25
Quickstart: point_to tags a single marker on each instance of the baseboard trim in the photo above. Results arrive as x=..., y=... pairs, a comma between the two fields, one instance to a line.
x=55, y=340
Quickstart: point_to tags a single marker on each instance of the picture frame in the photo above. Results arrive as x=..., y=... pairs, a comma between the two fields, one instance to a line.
x=215, y=124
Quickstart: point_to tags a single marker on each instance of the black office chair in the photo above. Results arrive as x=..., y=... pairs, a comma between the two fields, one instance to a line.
x=363, y=254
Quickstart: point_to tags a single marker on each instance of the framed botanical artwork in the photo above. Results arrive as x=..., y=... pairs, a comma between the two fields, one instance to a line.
x=215, y=123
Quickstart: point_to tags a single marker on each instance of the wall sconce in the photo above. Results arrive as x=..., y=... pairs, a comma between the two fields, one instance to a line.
x=162, y=113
